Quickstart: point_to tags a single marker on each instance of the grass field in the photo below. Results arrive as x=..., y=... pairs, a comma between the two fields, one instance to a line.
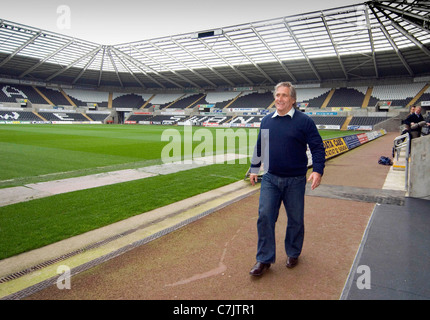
x=36, y=153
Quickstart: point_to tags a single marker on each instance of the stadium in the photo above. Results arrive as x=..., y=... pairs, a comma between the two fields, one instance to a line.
x=97, y=202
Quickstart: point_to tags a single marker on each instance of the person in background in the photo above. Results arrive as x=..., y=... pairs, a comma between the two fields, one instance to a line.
x=416, y=122
x=407, y=128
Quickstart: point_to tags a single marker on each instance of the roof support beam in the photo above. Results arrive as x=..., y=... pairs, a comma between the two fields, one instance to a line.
x=411, y=37
x=334, y=45
x=397, y=50
x=302, y=50
x=226, y=62
x=155, y=72
x=116, y=69
x=136, y=64
x=274, y=54
x=393, y=44
x=372, y=44
x=249, y=59
x=204, y=63
x=74, y=62
x=21, y=47
x=101, y=66
x=129, y=70
x=85, y=68
x=184, y=65
x=407, y=14
x=45, y=59
x=407, y=34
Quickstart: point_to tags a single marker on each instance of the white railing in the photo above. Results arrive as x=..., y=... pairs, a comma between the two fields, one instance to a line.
x=403, y=142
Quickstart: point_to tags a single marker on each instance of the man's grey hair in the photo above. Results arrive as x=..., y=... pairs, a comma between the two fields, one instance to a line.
x=289, y=85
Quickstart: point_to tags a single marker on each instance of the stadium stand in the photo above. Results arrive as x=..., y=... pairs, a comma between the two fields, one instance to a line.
x=82, y=97
x=167, y=119
x=63, y=116
x=372, y=101
x=399, y=95
x=9, y=93
x=55, y=97
x=162, y=100
x=75, y=105
x=221, y=99
x=139, y=117
x=98, y=116
x=307, y=94
x=317, y=102
x=156, y=119
x=366, y=121
x=328, y=120
x=346, y=97
x=425, y=96
x=188, y=101
x=214, y=120
x=253, y=100
x=18, y=116
x=127, y=101
x=245, y=120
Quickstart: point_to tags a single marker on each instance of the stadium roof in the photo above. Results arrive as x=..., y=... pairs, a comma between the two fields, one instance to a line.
x=371, y=40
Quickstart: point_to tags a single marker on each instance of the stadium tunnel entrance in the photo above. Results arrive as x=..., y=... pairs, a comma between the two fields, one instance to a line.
x=121, y=114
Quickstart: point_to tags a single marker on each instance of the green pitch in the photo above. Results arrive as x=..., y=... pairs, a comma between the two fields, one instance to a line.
x=28, y=152
x=36, y=153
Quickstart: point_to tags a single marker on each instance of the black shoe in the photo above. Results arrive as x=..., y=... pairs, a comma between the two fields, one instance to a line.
x=259, y=268
x=292, y=262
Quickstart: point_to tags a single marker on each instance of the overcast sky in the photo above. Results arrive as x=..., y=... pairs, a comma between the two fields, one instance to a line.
x=120, y=21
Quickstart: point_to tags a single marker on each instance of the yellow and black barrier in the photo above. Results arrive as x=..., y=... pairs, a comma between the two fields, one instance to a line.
x=336, y=146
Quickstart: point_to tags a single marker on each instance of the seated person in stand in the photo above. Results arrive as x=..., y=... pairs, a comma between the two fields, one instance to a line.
x=415, y=121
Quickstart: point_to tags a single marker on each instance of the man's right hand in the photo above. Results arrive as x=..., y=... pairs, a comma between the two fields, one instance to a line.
x=253, y=178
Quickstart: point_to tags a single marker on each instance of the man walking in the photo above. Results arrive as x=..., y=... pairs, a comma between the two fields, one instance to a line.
x=281, y=147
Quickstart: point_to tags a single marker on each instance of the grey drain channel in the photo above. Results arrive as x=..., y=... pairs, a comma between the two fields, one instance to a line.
x=47, y=263
x=370, y=195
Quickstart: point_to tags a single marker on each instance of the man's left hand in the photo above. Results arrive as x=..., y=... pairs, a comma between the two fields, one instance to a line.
x=315, y=177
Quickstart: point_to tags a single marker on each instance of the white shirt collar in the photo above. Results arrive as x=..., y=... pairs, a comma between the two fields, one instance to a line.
x=290, y=113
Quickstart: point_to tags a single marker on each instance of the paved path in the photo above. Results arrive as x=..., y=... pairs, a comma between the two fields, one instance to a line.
x=210, y=258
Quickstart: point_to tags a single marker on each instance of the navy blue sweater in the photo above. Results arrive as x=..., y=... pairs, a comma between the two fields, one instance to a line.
x=284, y=141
